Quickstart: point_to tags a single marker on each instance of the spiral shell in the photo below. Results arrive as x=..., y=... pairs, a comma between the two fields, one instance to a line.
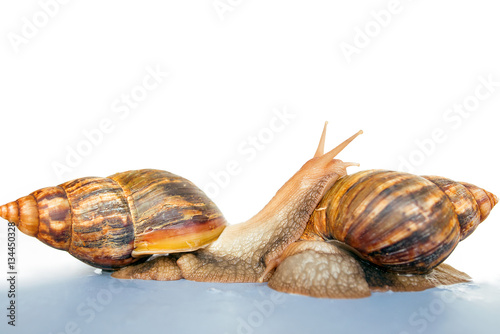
x=403, y=222
x=112, y=222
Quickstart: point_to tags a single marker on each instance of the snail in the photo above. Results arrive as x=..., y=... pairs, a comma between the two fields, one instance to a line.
x=403, y=222
x=118, y=222
x=115, y=221
x=393, y=223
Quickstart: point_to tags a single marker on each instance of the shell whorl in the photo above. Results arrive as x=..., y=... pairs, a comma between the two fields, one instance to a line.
x=87, y=217
x=471, y=203
x=44, y=214
x=112, y=222
x=24, y=213
x=403, y=222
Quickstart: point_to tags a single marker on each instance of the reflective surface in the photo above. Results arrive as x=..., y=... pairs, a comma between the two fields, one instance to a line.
x=99, y=303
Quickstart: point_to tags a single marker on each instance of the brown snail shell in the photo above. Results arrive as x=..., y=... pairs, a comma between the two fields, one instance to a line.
x=115, y=221
x=402, y=222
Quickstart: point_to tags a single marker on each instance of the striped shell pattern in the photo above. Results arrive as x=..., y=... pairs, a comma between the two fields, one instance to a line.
x=115, y=221
x=403, y=222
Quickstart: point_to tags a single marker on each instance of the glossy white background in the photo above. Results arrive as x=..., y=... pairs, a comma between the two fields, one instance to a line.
x=232, y=65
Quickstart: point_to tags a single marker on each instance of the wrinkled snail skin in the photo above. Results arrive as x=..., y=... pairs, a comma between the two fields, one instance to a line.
x=405, y=223
x=328, y=270
x=243, y=251
x=113, y=222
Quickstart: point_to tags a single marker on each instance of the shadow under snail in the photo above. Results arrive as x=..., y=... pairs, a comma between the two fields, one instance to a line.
x=324, y=233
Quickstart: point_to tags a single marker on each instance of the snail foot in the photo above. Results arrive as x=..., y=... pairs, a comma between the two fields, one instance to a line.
x=160, y=268
x=381, y=280
x=202, y=266
x=326, y=270
x=319, y=269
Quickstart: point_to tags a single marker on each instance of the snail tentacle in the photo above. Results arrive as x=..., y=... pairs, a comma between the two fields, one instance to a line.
x=321, y=146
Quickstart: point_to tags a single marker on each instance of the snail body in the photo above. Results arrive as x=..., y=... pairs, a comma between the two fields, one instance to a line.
x=115, y=221
x=402, y=222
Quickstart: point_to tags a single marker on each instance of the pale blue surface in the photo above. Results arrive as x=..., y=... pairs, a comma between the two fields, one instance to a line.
x=191, y=307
